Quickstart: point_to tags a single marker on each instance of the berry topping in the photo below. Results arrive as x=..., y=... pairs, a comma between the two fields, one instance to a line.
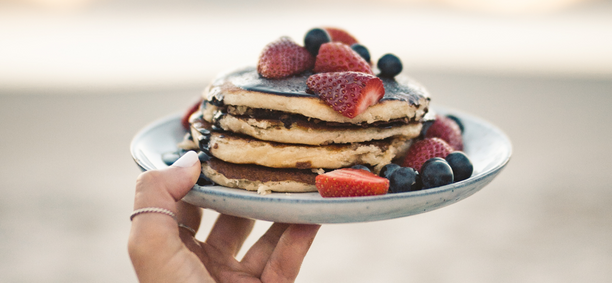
x=448, y=130
x=457, y=120
x=340, y=35
x=426, y=125
x=203, y=157
x=403, y=179
x=362, y=51
x=461, y=165
x=429, y=161
x=338, y=57
x=314, y=38
x=349, y=93
x=437, y=173
x=362, y=167
x=387, y=169
x=349, y=182
x=203, y=141
x=283, y=58
x=389, y=65
x=423, y=150
x=187, y=114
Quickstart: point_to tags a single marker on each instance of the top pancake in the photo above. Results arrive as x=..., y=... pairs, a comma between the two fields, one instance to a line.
x=404, y=98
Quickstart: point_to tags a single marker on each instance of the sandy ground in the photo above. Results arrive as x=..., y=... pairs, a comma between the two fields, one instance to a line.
x=67, y=177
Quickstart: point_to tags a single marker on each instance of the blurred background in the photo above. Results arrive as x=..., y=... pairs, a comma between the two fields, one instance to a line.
x=79, y=78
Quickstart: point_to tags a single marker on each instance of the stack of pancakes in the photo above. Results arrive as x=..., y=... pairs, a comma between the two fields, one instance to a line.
x=276, y=135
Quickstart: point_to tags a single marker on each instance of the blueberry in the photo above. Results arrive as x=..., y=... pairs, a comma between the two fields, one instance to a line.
x=170, y=157
x=362, y=167
x=437, y=173
x=461, y=165
x=389, y=65
x=457, y=120
x=362, y=51
x=424, y=128
x=429, y=161
x=217, y=101
x=387, y=169
x=313, y=40
x=203, y=156
x=402, y=179
x=203, y=141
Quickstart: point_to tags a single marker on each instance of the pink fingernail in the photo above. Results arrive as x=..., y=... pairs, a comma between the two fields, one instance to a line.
x=187, y=160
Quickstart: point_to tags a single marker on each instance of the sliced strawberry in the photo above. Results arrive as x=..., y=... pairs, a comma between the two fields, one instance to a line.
x=284, y=58
x=340, y=35
x=339, y=57
x=446, y=129
x=187, y=114
x=349, y=182
x=349, y=93
x=423, y=150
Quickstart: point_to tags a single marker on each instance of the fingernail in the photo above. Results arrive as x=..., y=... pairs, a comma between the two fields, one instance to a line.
x=187, y=160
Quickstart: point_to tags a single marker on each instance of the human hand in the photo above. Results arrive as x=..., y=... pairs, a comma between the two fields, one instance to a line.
x=162, y=252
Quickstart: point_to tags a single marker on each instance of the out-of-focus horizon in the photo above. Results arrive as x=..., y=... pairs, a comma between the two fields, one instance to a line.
x=95, y=44
x=495, y=6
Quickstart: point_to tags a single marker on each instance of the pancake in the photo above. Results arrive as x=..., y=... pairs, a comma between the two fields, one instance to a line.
x=276, y=135
x=302, y=131
x=259, y=178
x=404, y=97
x=240, y=149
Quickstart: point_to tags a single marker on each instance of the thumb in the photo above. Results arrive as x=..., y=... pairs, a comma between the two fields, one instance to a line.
x=155, y=232
x=163, y=188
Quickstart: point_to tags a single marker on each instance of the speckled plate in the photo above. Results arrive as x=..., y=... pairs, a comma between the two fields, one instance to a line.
x=487, y=146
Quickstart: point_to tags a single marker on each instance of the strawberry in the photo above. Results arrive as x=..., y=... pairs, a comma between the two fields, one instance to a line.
x=338, y=57
x=284, y=58
x=349, y=93
x=423, y=150
x=348, y=182
x=448, y=130
x=340, y=35
x=187, y=114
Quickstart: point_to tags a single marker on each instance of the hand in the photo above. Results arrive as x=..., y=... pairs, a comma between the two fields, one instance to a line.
x=162, y=252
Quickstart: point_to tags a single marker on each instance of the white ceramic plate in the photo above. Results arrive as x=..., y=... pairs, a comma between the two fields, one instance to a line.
x=487, y=146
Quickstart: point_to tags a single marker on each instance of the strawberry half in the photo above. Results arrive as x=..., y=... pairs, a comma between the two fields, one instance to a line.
x=340, y=35
x=448, y=130
x=349, y=93
x=339, y=57
x=187, y=114
x=349, y=182
x=284, y=58
x=423, y=150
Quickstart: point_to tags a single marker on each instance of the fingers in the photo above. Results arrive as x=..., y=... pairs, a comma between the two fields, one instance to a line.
x=256, y=258
x=229, y=233
x=163, y=188
x=188, y=215
x=154, y=236
x=167, y=186
x=218, y=252
x=285, y=262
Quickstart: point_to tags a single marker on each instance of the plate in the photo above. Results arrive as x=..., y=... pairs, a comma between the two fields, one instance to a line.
x=486, y=145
